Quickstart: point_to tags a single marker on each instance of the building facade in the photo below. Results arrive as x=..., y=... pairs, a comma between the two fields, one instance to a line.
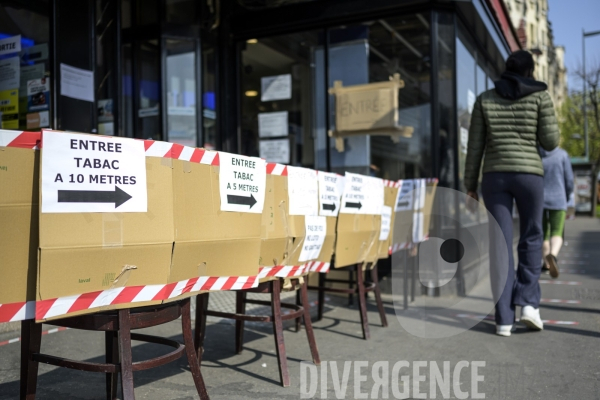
x=254, y=76
x=530, y=19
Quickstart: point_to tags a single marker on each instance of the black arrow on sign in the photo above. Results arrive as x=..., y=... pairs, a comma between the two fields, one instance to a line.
x=116, y=196
x=242, y=200
x=354, y=205
x=329, y=207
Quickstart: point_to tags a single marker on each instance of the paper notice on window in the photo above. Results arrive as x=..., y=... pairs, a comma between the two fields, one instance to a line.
x=273, y=124
x=242, y=182
x=331, y=187
x=386, y=221
x=10, y=45
x=275, y=151
x=405, y=195
x=76, y=83
x=362, y=195
x=9, y=74
x=277, y=87
x=89, y=173
x=303, y=191
x=316, y=228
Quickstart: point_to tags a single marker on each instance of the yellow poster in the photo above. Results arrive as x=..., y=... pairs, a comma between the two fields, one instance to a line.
x=9, y=108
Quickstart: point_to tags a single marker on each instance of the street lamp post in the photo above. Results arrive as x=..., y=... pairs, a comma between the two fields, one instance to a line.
x=585, y=121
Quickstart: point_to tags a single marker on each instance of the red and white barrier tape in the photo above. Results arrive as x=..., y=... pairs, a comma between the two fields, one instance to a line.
x=283, y=271
x=276, y=169
x=180, y=152
x=399, y=246
x=318, y=266
x=20, y=139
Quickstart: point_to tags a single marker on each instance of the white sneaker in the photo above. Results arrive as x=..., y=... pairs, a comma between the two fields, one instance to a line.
x=531, y=317
x=503, y=330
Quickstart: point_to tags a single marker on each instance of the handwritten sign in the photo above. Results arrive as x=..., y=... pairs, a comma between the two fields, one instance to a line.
x=386, y=221
x=316, y=228
x=303, y=191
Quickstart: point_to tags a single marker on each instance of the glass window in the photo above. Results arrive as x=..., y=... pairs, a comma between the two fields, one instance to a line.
x=147, y=87
x=209, y=106
x=276, y=98
x=182, y=11
x=25, y=82
x=127, y=90
x=147, y=12
x=374, y=52
x=181, y=92
x=106, y=75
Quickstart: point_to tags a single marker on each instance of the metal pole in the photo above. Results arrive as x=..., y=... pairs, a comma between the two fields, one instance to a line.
x=585, y=121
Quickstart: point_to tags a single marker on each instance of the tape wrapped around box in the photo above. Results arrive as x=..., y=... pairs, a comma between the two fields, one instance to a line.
x=210, y=242
x=19, y=216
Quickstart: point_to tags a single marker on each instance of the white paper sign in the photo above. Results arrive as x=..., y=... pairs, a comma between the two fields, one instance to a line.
x=386, y=222
x=418, y=228
x=405, y=195
x=419, y=191
x=303, y=191
x=362, y=195
x=89, y=173
x=331, y=187
x=242, y=182
x=316, y=228
x=76, y=83
x=10, y=45
x=277, y=87
x=273, y=124
x=9, y=74
x=275, y=151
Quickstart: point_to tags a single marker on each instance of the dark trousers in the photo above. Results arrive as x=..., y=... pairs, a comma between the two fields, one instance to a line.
x=522, y=288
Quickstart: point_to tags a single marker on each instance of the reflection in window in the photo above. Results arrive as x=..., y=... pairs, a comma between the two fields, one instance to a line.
x=25, y=82
x=276, y=93
x=181, y=92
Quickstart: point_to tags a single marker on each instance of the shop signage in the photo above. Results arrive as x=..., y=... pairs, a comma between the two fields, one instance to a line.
x=85, y=173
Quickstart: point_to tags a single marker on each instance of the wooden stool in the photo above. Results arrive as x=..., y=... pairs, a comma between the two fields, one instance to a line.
x=117, y=326
x=274, y=288
x=361, y=290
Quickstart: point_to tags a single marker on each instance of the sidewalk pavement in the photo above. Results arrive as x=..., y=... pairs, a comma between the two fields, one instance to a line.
x=560, y=362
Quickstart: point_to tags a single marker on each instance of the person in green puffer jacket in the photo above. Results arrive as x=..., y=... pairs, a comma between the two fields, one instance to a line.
x=507, y=125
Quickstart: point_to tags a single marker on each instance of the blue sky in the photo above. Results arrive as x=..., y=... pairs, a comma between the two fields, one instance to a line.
x=568, y=18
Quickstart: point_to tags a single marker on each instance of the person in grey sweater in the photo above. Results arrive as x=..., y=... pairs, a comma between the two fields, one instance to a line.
x=558, y=186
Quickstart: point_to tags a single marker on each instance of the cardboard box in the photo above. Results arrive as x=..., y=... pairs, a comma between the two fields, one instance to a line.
x=403, y=216
x=282, y=235
x=368, y=109
x=328, y=248
x=359, y=220
x=390, y=198
x=19, y=212
x=89, y=252
x=208, y=241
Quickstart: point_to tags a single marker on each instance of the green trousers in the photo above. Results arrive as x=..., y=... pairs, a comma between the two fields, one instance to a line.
x=553, y=222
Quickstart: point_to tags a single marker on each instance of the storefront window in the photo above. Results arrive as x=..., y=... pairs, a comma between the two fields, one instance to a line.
x=182, y=11
x=209, y=89
x=181, y=92
x=277, y=91
x=148, y=90
x=25, y=90
x=106, y=74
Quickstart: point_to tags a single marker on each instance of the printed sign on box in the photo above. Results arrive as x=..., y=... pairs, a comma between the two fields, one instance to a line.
x=316, y=229
x=242, y=182
x=362, y=195
x=405, y=195
x=303, y=191
x=331, y=187
x=88, y=173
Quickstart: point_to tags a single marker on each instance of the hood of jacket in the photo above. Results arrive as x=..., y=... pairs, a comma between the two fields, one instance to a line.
x=546, y=153
x=514, y=86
